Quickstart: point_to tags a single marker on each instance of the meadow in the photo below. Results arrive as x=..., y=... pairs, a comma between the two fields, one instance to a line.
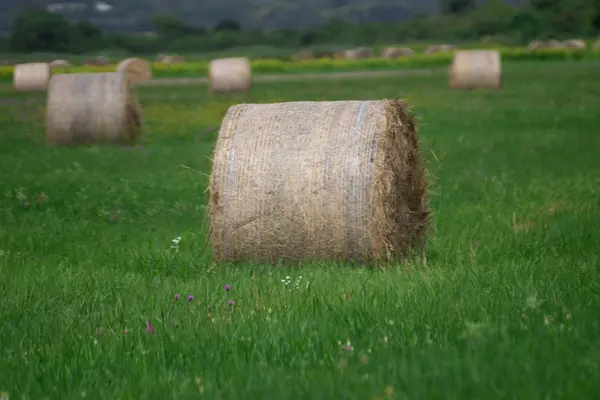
x=194, y=68
x=109, y=289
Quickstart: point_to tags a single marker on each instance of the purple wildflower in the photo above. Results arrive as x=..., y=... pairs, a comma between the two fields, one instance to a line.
x=348, y=347
x=43, y=197
x=126, y=331
x=231, y=303
x=177, y=296
x=150, y=327
x=26, y=204
x=228, y=287
x=190, y=298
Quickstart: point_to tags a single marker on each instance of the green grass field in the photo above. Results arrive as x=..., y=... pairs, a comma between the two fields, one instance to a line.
x=506, y=305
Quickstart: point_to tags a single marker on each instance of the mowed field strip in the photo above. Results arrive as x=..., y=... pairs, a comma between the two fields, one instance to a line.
x=109, y=289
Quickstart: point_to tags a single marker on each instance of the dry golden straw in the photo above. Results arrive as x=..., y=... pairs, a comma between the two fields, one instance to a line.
x=396, y=52
x=228, y=75
x=575, y=44
x=439, y=48
x=340, y=180
x=92, y=108
x=472, y=69
x=59, y=64
x=358, y=53
x=136, y=69
x=31, y=77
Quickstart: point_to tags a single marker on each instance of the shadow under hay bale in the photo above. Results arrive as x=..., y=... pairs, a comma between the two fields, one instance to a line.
x=230, y=75
x=31, y=77
x=136, y=69
x=92, y=108
x=339, y=180
x=473, y=69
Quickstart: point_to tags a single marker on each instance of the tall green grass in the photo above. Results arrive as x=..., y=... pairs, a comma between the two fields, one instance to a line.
x=505, y=306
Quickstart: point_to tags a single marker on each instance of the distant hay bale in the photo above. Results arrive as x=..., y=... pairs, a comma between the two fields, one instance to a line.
x=358, y=53
x=472, y=69
x=92, y=108
x=396, y=52
x=304, y=55
x=170, y=59
x=31, y=77
x=59, y=64
x=439, y=48
x=98, y=61
x=545, y=44
x=575, y=44
x=339, y=180
x=136, y=69
x=229, y=75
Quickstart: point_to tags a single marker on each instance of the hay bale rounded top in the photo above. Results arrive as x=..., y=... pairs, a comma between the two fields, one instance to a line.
x=31, y=77
x=59, y=64
x=340, y=180
x=473, y=69
x=136, y=69
x=227, y=75
x=92, y=108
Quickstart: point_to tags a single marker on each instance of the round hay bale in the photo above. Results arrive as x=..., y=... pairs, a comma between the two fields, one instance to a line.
x=304, y=55
x=439, y=48
x=98, y=61
x=31, y=77
x=136, y=69
x=396, y=52
x=169, y=59
x=473, y=69
x=575, y=44
x=59, y=64
x=92, y=108
x=229, y=75
x=339, y=180
x=358, y=53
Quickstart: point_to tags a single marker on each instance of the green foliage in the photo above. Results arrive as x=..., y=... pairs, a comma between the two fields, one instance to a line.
x=457, y=6
x=495, y=21
x=37, y=30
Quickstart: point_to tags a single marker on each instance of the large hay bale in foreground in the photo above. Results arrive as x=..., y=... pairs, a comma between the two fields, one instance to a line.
x=228, y=75
x=31, y=77
x=92, y=108
x=472, y=69
x=340, y=180
x=136, y=69
x=396, y=52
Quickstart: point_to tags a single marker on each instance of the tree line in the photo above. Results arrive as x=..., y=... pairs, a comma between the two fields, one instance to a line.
x=36, y=30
